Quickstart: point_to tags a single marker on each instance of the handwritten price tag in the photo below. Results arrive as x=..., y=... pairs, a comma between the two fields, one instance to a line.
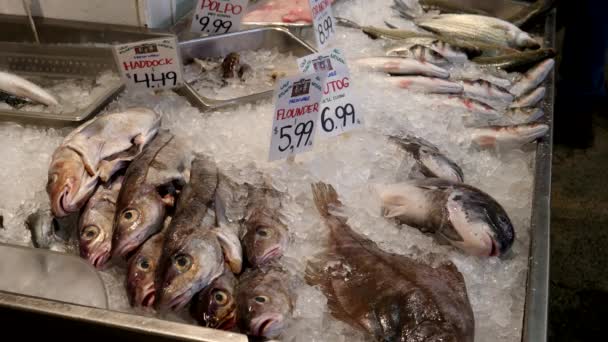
x=151, y=64
x=218, y=16
x=296, y=115
x=323, y=22
x=339, y=108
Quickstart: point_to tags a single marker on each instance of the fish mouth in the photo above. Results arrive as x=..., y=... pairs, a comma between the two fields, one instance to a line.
x=99, y=259
x=275, y=252
x=268, y=325
x=62, y=206
x=494, y=249
x=147, y=296
x=125, y=250
x=179, y=301
x=226, y=323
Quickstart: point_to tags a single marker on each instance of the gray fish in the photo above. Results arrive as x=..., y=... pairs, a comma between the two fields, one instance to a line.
x=486, y=92
x=459, y=214
x=423, y=84
x=471, y=106
x=401, y=66
x=525, y=115
x=511, y=136
x=22, y=88
x=418, y=52
x=265, y=301
x=215, y=306
x=450, y=6
x=192, y=256
x=150, y=185
x=437, y=51
x=430, y=162
x=533, y=78
x=389, y=297
x=531, y=99
x=49, y=232
x=96, y=224
x=516, y=61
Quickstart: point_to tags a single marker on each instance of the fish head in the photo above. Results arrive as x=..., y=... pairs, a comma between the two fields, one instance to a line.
x=95, y=238
x=141, y=276
x=216, y=304
x=136, y=221
x=266, y=240
x=69, y=185
x=189, y=269
x=478, y=224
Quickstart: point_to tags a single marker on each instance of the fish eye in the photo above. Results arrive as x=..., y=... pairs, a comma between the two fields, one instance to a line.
x=89, y=233
x=143, y=264
x=263, y=232
x=130, y=215
x=261, y=299
x=182, y=262
x=220, y=297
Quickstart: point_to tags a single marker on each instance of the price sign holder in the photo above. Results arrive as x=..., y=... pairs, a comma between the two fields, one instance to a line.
x=218, y=16
x=340, y=110
x=323, y=22
x=296, y=115
x=150, y=64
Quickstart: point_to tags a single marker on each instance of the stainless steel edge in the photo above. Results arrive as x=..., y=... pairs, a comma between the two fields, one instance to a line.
x=117, y=320
x=536, y=312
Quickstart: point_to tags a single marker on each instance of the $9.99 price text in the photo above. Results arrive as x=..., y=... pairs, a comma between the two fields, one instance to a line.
x=218, y=16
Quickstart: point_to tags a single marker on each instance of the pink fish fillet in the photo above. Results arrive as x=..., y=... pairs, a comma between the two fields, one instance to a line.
x=286, y=11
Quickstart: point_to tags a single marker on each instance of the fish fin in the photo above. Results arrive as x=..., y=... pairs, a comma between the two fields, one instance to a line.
x=231, y=247
x=326, y=200
x=393, y=206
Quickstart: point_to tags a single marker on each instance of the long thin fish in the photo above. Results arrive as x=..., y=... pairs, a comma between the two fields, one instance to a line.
x=516, y=61
x=401, y=66
x=531, y=99
x=533, y=78
x=509, y=136
x=426, y=84
x=484, y=91
x=19, y=86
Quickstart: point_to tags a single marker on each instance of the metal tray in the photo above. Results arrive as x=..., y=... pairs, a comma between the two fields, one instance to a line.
x=58, y=62
x=218, y=46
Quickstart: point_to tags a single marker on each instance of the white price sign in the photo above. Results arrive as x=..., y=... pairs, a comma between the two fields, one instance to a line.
x=150, y=64
x=323, y=22
x=340, y=111
x=218, y=16
x=296, y=115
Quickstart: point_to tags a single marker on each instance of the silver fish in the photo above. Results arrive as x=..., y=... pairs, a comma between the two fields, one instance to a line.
x=401, y=66
x=426, y=84
x=96, y=224
x=420, y=53
x=430, y=162
x=19, y=86
x=509, y=136
x=486, y=92
x=471, y=106
x=531, y=99
x=48, y=232
x=410, y=46
x=523, y=115
x=459, y=214
x=533, y=78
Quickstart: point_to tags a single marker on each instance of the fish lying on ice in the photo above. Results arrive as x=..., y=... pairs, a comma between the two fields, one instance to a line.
x=96, y=151
x=96, y=224
x=401, y=66
x=142, y=271
x=215, y=306
x=423, y=84
x=150, y=186
x=512, y=136
x=531, y=99
x=265, y=301
x=430, y=162
x=420, y=53
x=486, y=92
x=524, y=115
x=531, y=79
x=441, y=53
x=516, y=61
x=48, y=232
x=459, y=214
x=389, y=297
x=20, y=87
x=471, y=106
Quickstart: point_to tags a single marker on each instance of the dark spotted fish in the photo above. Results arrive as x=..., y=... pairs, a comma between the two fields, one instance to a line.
x=215, y=306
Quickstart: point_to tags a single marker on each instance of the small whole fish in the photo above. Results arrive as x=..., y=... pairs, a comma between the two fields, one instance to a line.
x=449, y=6
x=523, y=115
x=509, y=136
x=486, y=92
x=471, y=106
x=516, y=61
x=420, y=53
x=22, y=88
x=265, y=301
x=142, y=272
x=426, y=84
x=533, y=78
x=401, y=66
x=443, y=52
x=389, y=297
x=531, y=99
x=48, y=232
x=459, y=214
x=96, y=224
x=430, y=162
x=215, y=306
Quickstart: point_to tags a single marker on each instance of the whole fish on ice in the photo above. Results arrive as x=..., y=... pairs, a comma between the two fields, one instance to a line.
x=430, y=162
x=532, y=78
x=470, y=106
x=150, y=186
x=22, y=88
x=459, y=214
x=49, y=232
x=524, y=115
x=511, y=136
x=401, y=66
x=423, y=84
x=215, y=306
x=96, y=151
x=531, y=99
x=389, y=297
x=435, y=50
x=265, y=301
x=516, y=61
x=96, y=224
x=486, y=92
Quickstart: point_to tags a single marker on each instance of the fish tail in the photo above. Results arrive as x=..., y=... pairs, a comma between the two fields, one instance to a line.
x=403, y=9
x=347, y=23
x=326, y=198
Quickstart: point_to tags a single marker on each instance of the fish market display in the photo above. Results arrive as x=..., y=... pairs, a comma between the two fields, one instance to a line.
x=96, y=225
x=406, y=300
x=280, y=11
x=451, y=154
x=456, y=213
x=22, y=88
